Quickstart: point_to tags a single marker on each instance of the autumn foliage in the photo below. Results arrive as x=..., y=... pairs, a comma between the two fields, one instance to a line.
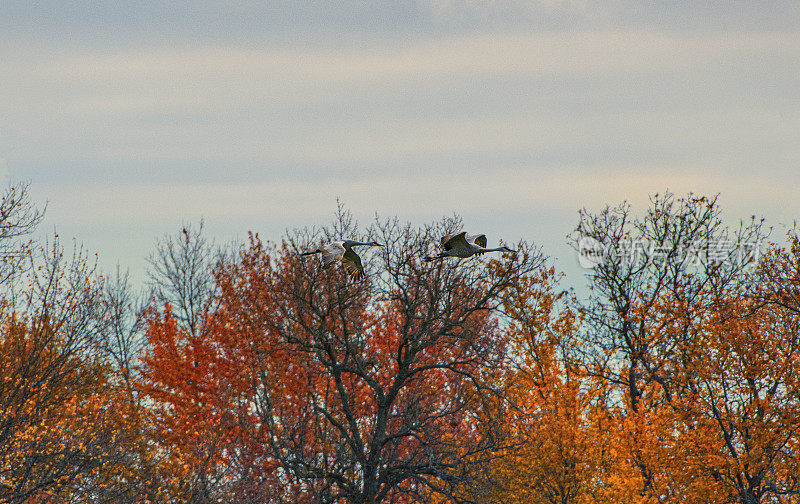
x=259, y=376
x=329, y=390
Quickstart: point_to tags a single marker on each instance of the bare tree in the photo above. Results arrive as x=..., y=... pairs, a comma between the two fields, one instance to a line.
x=122, y=337
x=777, y=279
x=682, y=249
x=182, y=273
x=18, y=218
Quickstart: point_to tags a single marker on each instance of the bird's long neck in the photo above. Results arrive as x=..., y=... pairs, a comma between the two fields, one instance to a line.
x=498, y=249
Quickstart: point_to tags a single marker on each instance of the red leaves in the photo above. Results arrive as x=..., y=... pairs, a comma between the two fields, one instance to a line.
x=297, y=368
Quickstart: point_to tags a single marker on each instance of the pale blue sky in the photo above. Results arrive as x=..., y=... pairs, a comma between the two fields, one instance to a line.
x=130, y=118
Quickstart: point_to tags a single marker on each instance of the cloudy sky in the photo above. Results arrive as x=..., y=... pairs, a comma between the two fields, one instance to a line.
x=130, y=118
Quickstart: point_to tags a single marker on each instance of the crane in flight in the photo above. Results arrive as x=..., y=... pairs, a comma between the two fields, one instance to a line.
x=342, y=251
x=462, y=245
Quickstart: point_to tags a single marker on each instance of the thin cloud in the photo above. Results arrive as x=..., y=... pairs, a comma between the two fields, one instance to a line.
x=421, y=196
x=307, y=106
x=507, y=121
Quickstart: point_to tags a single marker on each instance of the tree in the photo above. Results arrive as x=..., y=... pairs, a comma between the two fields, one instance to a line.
x=122, y=338
x=702, y=367
x=744, y=407
x=744, y=381
x=777, y=280
x=181, y=274
x=554, y=420
x=680, y=250
x=183, y=287
x=64, y=431
x=359, y=392
x=18, y=218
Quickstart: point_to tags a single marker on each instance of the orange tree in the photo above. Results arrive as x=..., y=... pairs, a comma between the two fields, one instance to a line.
x=554, y=420
x=69, y=428
x=305, y=386
x=744, y=400
x=646, y=329
x=742, y=415
x=734, y=423
x=65, y=424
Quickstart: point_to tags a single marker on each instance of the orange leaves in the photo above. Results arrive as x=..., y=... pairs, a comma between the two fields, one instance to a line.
x=62, y=419
x=452, y=381
x=349, y=389
x=710, y=416
x=556, y=443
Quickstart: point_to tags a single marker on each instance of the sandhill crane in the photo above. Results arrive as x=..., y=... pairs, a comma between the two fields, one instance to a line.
x=342, y=251
x=461, y=245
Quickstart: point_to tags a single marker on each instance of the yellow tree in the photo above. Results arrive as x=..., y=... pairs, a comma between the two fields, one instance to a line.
x=743, y=406
x=67, y=430
x=555, y=452
x=646, y=328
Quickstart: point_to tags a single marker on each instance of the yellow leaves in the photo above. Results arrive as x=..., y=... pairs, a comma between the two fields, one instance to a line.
x=708, y=403
x=65, y=419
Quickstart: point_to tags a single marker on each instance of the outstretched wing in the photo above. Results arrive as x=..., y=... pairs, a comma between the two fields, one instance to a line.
x=352, y=263
x=479, y=240
x=332, y=253
x=455, y=240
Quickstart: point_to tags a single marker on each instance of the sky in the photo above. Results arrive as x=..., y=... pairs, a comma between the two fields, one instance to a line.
x=130, y=119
